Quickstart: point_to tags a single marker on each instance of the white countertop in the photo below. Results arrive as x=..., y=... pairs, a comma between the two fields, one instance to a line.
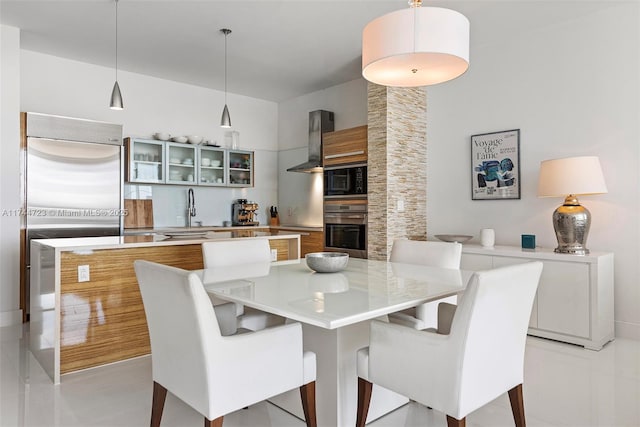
x=538, y=253
x=132, y=241
x=365, y=290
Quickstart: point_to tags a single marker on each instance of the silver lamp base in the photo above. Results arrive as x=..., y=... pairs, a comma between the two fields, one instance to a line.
x=571, y=221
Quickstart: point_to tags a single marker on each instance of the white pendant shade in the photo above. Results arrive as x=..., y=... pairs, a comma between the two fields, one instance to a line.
x=573, y=175
x=417, y=46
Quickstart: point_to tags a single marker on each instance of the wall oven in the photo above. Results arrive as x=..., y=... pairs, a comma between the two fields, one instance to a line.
x=345, y=181
x=345, y=227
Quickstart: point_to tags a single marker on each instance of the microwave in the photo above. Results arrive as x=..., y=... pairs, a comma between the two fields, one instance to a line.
x=345, y=181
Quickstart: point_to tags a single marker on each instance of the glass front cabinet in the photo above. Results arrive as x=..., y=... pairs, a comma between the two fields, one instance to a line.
x=145, y=160
x=240, y=168
x=181, y=164
x=163, y=162
x=212, y=166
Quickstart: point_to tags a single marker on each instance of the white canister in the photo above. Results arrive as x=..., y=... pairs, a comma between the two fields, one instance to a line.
x=487, y=237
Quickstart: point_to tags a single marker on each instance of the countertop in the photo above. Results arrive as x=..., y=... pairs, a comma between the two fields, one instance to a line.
x=296, y=227
x=182, y=238
x=216, y=228
x=195, y=229
x=537, y=253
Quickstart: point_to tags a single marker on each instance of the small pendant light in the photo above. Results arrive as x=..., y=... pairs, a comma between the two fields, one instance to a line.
x=116, y=96
x=225, y=121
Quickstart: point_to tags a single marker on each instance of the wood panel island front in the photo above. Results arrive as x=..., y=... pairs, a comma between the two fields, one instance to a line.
x=86, y=308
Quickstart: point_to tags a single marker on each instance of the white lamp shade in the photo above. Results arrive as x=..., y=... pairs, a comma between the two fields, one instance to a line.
x=572, y=175
x=417, y=46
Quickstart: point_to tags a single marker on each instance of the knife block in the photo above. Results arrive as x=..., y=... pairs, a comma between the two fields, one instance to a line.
x=274, y=220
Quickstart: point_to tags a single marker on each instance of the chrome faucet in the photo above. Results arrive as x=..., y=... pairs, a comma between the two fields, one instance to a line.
x=191, y=208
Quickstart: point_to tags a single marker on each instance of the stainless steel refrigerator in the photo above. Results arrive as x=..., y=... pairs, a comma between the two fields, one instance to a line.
x=72, y=182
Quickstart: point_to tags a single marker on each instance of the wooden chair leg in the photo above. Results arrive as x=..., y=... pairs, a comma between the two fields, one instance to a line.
x=517, y=405
x=364, y=398
x=213, y=423
x=308, y=395
x=452, y=422
x=157, y=404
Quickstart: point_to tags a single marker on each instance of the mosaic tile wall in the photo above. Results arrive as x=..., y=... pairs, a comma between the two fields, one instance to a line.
x=397, y=166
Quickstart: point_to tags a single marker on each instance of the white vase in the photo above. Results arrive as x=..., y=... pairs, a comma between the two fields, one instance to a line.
x=487, y=237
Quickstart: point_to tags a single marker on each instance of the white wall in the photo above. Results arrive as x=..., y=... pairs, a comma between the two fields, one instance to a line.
x=300, y=194
x=41, y=83
x=572, y=90
x=77, y=89
x=10, y=173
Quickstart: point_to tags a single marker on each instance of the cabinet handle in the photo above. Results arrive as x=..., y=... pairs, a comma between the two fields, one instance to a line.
x=352, y=153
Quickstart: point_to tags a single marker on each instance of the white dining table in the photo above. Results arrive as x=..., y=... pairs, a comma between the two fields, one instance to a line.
x=335, y=310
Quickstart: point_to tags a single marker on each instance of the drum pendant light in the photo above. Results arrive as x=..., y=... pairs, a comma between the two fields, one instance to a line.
x=225, y=121
x=116, y=96
x=418, y=46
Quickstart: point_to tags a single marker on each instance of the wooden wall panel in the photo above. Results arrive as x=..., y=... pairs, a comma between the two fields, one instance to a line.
x=282, y=246
x=103, y=320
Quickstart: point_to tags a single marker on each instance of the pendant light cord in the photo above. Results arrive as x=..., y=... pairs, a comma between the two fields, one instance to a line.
x=116, y=40
x=226, y=32
x=225, y=67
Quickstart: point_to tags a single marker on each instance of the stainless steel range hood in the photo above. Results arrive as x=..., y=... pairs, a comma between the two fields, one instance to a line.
x=320, y=121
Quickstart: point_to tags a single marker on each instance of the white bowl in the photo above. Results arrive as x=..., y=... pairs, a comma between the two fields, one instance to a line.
x=216, y=163
x=194, y=139
x=162, y=136
x=187, y=162
x=181, y=139
x=327, y=262
x=205, y=162
x=174, y=160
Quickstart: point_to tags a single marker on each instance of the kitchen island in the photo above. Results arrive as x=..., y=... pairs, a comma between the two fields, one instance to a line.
x=86, y=308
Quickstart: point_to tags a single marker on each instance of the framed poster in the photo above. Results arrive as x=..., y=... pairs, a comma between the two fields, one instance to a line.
x=495, y=165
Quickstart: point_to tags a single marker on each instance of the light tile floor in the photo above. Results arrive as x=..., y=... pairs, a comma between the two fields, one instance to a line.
x=565, y=385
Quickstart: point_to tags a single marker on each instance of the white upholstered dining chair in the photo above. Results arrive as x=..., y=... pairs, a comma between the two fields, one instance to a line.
x=214, y=374
x=236, y=252
x=433, y=254
x=480, y=359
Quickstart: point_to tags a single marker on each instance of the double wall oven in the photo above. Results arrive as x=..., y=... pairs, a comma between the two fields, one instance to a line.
x=345, y=209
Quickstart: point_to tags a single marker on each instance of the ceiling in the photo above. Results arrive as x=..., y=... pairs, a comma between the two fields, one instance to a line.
x=277, y=49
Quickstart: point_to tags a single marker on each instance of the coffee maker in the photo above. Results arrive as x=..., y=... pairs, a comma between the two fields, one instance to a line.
x=244, y=213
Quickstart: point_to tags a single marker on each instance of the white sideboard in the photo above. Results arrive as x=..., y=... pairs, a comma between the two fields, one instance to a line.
x=574, y=303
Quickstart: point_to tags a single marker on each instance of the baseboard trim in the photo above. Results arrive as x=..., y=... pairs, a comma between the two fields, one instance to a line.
x=628, y=330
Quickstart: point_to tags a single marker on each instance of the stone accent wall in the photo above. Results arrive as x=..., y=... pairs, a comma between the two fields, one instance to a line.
x=397, y=166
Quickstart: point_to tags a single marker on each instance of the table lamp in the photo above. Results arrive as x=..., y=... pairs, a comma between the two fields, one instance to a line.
x=569, y=178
